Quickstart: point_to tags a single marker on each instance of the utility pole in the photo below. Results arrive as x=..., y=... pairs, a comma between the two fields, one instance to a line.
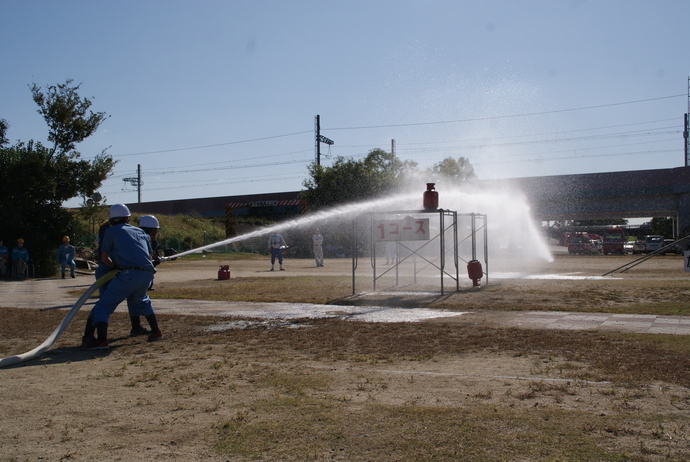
x=686, y=129
x=319, y=138
x=393, y=146
x=136, y=182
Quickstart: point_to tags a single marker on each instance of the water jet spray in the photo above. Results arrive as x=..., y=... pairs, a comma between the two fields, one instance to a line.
x=510, y=219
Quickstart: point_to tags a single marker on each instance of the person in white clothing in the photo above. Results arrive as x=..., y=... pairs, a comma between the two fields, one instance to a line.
x=318, y=248
x=390, y=251
x=276, y=244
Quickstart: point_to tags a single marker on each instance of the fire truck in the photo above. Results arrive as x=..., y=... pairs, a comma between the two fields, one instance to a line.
x=614, y=239
x=580, y=243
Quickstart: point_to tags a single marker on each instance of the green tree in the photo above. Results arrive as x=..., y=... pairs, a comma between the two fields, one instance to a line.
x=348, y=180
x=378, y=174
x=457, y=170
x=662, y=226
x=4, y=126
x=65, y=112
x=36, y=180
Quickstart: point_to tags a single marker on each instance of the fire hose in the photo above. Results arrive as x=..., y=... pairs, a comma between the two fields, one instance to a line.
x=39, y=350
x=43, y=347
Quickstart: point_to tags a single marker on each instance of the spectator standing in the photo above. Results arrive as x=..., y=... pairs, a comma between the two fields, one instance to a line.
x=276, y=244
x=65, y=257
x=318, y=248
x=20, y=259
x=4, y=258
x=127, y=248
x=390, y=251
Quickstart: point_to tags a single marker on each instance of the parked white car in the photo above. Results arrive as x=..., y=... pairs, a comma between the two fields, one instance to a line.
x=633, y=247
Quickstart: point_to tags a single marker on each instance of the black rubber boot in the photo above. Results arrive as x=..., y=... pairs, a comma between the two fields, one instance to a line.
x=90, y=343
x=102, y=330
x=156, y=333
x=153, y=322
x=137, y=328
x=89, y=331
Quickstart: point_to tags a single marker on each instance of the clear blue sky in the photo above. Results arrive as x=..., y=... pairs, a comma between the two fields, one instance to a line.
x=216, y=98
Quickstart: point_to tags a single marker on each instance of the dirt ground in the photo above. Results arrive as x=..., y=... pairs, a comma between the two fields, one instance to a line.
x=332, y=389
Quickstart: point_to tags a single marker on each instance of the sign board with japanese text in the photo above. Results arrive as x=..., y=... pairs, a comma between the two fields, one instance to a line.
x=404, y=229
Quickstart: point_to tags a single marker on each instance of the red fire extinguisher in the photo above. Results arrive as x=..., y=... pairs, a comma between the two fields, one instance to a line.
x=224, y=272
x=475, y=272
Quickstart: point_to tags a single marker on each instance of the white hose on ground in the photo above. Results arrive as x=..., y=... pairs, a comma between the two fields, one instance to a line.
x=39, y=350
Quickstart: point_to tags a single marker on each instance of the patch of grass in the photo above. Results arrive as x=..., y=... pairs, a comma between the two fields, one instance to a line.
x=658, y=307
x=267, y=403
x=664, y=298
x=297, y=384
x=616, y=357
x=305, y=289
x=308, y=428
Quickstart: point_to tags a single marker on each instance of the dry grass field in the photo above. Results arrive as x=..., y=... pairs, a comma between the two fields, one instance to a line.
x=334, y=389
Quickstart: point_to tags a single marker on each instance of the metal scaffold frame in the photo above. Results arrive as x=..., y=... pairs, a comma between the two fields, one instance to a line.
x=448, y=222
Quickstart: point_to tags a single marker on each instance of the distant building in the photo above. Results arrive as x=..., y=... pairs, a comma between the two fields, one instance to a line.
x=278, y=205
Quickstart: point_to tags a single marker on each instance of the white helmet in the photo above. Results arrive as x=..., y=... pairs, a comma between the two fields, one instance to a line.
x=119, y=211
x=148, y=221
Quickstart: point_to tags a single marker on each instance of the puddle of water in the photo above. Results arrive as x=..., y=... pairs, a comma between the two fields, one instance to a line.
x=554, y=276
x=242, y=325
x=568, y=277
x=290, y=311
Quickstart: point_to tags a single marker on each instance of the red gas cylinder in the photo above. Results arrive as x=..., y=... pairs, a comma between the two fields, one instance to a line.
x=475, y=272
x=224, y=272
x=430, y=197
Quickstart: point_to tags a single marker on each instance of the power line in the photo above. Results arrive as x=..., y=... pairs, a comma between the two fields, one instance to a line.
x=275, y=176
x=603, y=136
x=224, y=166
x=225, y=182
x=235, y=160
x=486, y=142
x=526, y=114
x=211, y=145
x=528, y=135
x=186, y=168
x=555, y=111
x=231, y=167
x=551, y=159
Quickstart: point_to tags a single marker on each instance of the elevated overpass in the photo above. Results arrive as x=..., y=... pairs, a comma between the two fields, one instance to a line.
x=632, y=194
x=592, y=196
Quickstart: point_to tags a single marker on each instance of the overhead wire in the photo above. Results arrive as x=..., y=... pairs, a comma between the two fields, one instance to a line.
x=504, y=161
x=167, y=170
x=509, y=116
x=490, y=142
x=555, y=111
x=197, y=184
x=601, y=137
x=524, y=135
x=228, y=143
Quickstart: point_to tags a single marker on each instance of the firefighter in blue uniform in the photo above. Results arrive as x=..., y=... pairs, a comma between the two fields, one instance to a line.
x=128, y=249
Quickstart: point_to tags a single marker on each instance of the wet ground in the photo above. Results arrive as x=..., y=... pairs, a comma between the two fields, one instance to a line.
x=56, y=293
